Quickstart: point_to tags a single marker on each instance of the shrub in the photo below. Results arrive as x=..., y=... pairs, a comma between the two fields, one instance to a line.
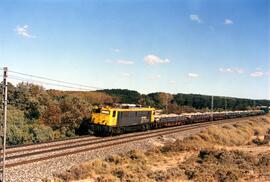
x=40, y=133
x=17, y=127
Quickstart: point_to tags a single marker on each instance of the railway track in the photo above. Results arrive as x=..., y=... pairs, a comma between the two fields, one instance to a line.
x=47, y=142
x=33, y=153
x=45, y=145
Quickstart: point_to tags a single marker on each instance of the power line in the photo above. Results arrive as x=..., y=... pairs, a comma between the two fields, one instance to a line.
x=54, y=80
x=12, y=77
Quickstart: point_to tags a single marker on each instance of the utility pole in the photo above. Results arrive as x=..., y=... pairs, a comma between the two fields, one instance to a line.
x=225, y=104
x=212, y=108
x=4, y=124
x=167, y=103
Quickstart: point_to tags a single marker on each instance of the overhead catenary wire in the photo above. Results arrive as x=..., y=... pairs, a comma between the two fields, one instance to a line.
x=12, y=77
x=55, y=80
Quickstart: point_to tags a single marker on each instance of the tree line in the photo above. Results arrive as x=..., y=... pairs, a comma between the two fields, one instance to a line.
x=163, y=100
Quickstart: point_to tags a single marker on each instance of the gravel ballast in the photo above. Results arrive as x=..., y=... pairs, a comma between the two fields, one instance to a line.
x=37, y=171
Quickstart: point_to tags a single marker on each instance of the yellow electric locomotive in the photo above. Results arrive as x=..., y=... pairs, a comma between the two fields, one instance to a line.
x=120, y=119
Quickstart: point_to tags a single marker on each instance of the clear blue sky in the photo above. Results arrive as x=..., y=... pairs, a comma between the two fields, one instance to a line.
x=189, y=46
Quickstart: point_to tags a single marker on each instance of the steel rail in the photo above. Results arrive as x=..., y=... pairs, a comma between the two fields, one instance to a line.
x=93, y=142
x=84, y=139
x=47, y=142
x=128, y=140
x=52, y=144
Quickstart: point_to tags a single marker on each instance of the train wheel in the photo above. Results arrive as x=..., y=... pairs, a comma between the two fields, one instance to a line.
x=147, y=126
x=144, y=127
x=117, y=131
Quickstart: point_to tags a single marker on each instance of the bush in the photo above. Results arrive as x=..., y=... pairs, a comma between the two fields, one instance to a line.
x=41, y=133
x=17, y=135
x=17, y=128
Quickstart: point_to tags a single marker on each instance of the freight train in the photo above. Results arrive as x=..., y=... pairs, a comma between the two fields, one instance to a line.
x=128, y=118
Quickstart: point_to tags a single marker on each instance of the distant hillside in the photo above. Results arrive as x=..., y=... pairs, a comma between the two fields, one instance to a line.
x=124, y=95
x=161, y=100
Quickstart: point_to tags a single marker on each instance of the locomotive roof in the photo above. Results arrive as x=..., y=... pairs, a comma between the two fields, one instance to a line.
x=128, y=109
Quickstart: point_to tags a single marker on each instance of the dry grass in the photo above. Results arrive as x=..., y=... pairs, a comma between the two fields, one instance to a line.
x=205, y=161
x=240, y=133
x=223, y=165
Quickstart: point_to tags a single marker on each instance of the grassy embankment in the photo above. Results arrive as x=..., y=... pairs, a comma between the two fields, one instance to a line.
x=233, y=152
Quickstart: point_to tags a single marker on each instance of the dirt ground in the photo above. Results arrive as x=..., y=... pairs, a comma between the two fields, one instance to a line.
x=233, y=152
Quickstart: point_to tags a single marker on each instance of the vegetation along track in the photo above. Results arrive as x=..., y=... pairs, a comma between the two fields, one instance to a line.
x=50, y=151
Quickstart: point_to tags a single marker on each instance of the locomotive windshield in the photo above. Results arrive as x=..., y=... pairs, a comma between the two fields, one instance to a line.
x=96, y=110
x=101, y=111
